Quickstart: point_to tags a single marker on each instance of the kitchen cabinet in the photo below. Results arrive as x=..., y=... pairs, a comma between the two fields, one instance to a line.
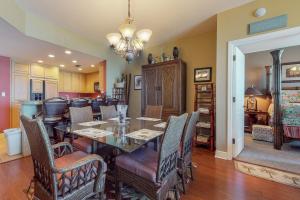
x=51, y=73
x=75, y=82
x=21, y=68
x=37, y=71
x=51, y=88
x=37, y=86
x=61, y=82
x=15, y=114
x=20, y=87
x=82, y=80
x=67, y=81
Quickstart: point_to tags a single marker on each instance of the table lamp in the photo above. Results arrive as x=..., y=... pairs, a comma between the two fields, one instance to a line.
x=251, y=93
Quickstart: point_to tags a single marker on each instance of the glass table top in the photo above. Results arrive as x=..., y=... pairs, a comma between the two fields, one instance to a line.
x=119, y=138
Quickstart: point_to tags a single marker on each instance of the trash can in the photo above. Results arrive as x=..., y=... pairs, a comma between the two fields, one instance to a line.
x=14, y=142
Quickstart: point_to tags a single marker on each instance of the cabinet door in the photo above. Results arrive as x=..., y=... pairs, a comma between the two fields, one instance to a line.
x=51, y=89
x=75, y=82
x=61, y=82
x=37, y=86
x=169, y=88
x=82, y=83
x=20, y=87
x=21, y=69
x=67, y=82
x=15, y=114
x=51, y=72
x=149, y=87
x=37, y=71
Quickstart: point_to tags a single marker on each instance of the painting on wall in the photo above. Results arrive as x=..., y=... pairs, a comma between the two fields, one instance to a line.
x=137, y=82
x=290, y=76
x=202, y=74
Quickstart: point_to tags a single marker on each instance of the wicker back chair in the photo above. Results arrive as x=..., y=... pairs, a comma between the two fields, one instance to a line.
x=185, y=158
x=79, y=115
x=58, y=172
x=153, y=173
x=153, y=111
x=108, y=112
x=79, y=103
x=95, y=104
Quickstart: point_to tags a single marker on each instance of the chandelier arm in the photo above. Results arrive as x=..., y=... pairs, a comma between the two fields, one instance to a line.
x=129, y=15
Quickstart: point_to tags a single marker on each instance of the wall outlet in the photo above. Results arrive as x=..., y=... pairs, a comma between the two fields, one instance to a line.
x=3, y=94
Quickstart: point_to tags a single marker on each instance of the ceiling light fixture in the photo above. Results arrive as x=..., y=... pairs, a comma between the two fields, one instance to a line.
x=51, y=56
x=79, y=69
x=74, y=61
x=40, y=61
x=68, y=52
x=92, y=65
x=62, y=65
x=124, y=43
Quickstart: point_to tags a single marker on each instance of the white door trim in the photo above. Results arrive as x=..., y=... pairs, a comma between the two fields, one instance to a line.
x=279, y=39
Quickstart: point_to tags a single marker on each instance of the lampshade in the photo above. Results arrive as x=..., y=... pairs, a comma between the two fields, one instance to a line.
x=113, y=38
x=144, y=35
x=252, y=91
x=127, y=29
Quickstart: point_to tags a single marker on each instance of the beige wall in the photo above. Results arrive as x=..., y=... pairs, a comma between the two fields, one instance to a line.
x=196, y=51
x=232, y=25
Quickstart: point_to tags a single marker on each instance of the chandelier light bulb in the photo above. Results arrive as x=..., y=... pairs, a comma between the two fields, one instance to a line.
x=144, y=35
x=127, y=29
x=113, y=38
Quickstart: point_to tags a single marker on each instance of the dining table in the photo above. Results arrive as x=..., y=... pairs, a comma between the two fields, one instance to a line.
x=118, y=135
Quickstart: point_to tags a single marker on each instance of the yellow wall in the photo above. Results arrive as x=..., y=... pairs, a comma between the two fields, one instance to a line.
x=196, y=51
x=232, y=25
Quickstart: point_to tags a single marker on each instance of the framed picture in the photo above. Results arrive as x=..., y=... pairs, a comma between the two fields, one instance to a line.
x=290, y=75
x=202, y=74
x=137, y=82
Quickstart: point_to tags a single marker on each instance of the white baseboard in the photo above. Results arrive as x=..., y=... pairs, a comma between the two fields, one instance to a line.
x=222, y=155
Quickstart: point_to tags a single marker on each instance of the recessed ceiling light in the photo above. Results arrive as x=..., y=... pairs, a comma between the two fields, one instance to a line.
x=40, y=61
x=74, y=61
x=62, y=65
x=68, y=52
x=92, y=65
x=51, y=56
x=79, y=69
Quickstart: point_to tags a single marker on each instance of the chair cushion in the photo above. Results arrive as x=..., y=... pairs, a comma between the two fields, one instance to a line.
x=142, y=162
x=83, y=144
x=69, y=158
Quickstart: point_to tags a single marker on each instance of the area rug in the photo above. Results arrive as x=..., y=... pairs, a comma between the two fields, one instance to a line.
x=260, y=159
x=3, y=151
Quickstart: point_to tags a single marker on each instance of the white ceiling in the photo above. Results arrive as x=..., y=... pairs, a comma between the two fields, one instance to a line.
x=95, y=18
x=23, y=49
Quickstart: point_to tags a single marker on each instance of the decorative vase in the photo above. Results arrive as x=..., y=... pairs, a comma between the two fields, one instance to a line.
x=150, y=58
x=175, y=52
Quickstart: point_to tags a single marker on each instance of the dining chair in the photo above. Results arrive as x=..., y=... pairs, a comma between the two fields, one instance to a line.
x=79, y=115
x=185, y=153
x=60, y=173
x=150, y=172
x=95, y=104
x=154, y=111
x=79, y=103
x=108, y=112
x=54, y=110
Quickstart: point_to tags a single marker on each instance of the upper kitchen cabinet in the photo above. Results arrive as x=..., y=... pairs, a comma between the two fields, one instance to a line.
x=37, y=71
x=51, y=73
x=82, y=80
x=20, y=86
x=20, y=68
x=75, y=85
x=67, y=81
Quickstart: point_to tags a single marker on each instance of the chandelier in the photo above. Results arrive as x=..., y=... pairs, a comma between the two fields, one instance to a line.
x=125, y=43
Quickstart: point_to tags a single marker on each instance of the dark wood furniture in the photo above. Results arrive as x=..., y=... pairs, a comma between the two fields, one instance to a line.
x=150, y=172
x=165, y=84
x=60, y=173
x=252, y=117
x=205, y=103
x=153, y=111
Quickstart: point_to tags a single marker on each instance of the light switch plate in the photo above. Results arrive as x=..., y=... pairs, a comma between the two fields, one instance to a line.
x=3, y=94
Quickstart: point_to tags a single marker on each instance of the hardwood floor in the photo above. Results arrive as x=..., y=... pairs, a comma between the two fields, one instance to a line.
x=214, y=179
